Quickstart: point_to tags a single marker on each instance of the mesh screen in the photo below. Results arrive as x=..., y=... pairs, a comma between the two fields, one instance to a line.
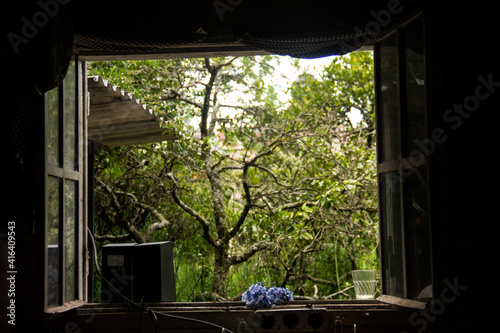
x=312, y=44
x=302, y=44
x=129, y=44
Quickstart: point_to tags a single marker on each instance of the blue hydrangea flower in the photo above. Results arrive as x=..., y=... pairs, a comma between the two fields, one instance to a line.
x=277, y=294
x=258, y=296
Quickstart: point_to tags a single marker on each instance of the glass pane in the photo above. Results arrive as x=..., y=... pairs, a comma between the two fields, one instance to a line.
x=391, y=234
x=418, y=248
x=52, y=105
x=53, y=222
x=387, y=100
x=415, y=87
x=70, y=240
x=70, y=118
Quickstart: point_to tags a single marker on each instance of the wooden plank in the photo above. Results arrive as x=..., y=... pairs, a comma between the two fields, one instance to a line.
x=127, y=127
x=109, y=94
x=124, y=119
x=129, y=135
x=402, y=302
x=105, y=103
x=125, y=138
x=124, y=141
x=173, y=53
x=117, y=112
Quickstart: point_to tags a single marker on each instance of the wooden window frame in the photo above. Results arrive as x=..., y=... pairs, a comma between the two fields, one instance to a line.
x=405, y=162
x=77, y=175
x=81, y=176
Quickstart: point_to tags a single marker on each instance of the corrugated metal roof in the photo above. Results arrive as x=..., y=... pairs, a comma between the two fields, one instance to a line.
x=117, y=118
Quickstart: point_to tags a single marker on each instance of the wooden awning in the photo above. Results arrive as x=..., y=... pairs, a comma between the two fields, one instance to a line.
x=117, y=118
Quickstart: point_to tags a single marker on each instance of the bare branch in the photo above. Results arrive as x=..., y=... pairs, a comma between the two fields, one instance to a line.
x=269, y=171
x=163, y=222
x=203, y=222
x=108, y=189
x=136, y=235
x=130, y=227
x=133, y=232
x=229, y=62
x=206, y=102
x=244, y=213
x=249, y=109
x=246, y=187
x=213, y=118
x=230, y=167
x=240, y=258
x=113, y=238
x=331, y=296
x=156, y=226
x=292, y=205
x=248, y=203
x=185, y=100
x=341, y=292
x=313, y=279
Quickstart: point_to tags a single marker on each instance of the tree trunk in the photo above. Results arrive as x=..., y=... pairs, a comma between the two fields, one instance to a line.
x=221, y=266
x=221, y=270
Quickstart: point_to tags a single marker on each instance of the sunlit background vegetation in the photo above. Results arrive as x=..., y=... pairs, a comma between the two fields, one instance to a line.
x=272, y=177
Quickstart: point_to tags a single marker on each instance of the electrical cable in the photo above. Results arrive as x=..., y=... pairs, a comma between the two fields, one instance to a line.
x=141, y=307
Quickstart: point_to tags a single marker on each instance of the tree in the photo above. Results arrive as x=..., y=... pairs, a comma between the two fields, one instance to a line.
x=336, y=157
x=256, y=177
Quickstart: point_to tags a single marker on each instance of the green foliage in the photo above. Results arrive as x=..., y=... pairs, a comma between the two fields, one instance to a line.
x=293, y=182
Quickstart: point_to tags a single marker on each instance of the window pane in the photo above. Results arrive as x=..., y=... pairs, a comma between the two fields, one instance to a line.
x=415, y=86
x=391, y=234
x=388, y=118
x=53, y=222
x=70, y=118
x=53, y=148
x=418, y=247
x=70, y=240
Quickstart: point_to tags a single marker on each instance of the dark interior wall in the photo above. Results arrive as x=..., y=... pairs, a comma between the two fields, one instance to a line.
x=21, y=114
x=167, y=18
x=19, y=192
x=34, y=55
x=465, y=91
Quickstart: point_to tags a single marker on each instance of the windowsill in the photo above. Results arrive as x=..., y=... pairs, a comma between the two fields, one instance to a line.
x=65, y=307
x=234, y=316
x=341, y=305
x=383, y=302
x=402, y=302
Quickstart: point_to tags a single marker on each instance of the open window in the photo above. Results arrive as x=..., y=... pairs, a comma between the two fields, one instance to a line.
x=400, y=66
x=64, y=167
x=402, y=172
x=402, y=168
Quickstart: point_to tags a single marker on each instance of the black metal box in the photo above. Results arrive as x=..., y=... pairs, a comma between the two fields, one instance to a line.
x=117, y=268
x=154, y=272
